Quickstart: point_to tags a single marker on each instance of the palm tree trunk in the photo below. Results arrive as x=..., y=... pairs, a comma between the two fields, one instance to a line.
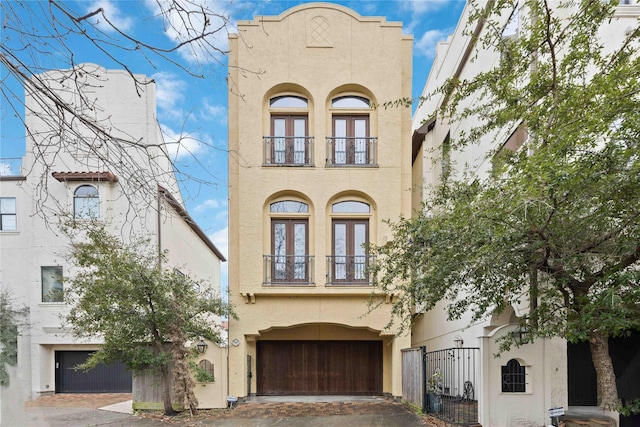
x=605, y=375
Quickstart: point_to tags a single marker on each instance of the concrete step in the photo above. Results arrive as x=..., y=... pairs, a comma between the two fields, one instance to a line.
x=589, y=422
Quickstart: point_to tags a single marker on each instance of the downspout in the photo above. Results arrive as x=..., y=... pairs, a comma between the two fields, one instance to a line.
x=228, y=339
x=159, y=232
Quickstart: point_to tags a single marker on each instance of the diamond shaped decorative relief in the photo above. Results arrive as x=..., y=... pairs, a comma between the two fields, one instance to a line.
x=318, y=34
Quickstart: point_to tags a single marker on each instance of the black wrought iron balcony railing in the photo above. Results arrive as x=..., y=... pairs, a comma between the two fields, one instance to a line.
x=351, y=151
x=10, y=166
x=295, y=270
x=288, y=150
x=349, y=269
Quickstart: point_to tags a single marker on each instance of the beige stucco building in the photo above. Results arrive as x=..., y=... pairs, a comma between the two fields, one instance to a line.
x=313, y=172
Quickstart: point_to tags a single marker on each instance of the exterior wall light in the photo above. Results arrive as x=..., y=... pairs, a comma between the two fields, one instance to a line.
x=521, y=335
x=458, y=341
x=202, y=346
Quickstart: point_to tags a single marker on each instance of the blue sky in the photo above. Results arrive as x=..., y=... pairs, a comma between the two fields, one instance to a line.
x=197, y=107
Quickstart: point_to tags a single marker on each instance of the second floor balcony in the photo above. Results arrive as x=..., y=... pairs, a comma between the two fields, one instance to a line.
x=349, y=270
x=291, y=270
x=288, y=150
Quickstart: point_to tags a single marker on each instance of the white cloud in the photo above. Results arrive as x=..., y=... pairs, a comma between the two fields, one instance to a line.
x=181, y=145
x=210, y=112
x=199, y=50
x=220, y=238
x=169, y=90
x=426, y=44
x=416, y=9
x=420, y=7
x=208, y=204
x=113, y=14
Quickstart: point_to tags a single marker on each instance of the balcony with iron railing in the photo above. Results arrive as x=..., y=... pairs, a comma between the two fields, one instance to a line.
x=349, y=270
x=288, y=150
x=288, y=270
x=352, y=151
x=10, y=167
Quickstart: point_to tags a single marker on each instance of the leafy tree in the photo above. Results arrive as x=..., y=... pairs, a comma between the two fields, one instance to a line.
x=558, y=222
x=10, y=321
x=145, y=314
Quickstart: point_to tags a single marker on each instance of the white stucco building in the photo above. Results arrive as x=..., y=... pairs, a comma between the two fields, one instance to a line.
x=544, y=364
x=79, y=185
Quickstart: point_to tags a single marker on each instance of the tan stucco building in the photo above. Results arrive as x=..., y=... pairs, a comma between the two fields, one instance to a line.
x=313, y=172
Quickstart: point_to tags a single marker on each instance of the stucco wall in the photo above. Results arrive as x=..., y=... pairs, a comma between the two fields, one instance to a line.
x=366, y=56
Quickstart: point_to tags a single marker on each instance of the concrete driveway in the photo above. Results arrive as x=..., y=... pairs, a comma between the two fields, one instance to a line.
x=67, y=410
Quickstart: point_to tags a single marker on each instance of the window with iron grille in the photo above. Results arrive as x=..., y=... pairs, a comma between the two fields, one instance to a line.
x=351, y=143
x=289, y=143
x=514, y=377
x=289, y=262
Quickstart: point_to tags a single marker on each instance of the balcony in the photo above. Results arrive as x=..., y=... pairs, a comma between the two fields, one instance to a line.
x=288, y=150
x=10, y=167
x=351, y=151
x=288, y=270
x=349, y=270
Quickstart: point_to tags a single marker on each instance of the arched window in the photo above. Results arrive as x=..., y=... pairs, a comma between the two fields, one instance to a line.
x=349, y=260
x=350, y=102
x=205, y=372
x=86, y=202
x=351, y=143
x=514, y=377
x=289, y=143
x=289, y=262
x=288, y=101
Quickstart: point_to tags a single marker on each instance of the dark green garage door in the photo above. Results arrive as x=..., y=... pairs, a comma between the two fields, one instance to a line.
x=113, y=378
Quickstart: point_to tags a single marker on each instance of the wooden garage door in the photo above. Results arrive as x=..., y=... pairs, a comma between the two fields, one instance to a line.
x=319, y=367
x=113, y=378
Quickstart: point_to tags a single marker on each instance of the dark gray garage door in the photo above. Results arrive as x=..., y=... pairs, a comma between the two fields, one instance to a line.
x=319, y=367
x=113, y=378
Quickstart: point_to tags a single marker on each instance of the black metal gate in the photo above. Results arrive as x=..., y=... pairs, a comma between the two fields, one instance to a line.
x=113, y=378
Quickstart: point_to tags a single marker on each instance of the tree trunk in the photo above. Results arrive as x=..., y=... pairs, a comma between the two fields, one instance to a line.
x=166, y=392
x=605, y=375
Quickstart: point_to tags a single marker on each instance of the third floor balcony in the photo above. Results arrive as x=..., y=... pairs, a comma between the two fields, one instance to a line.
x=288, y=151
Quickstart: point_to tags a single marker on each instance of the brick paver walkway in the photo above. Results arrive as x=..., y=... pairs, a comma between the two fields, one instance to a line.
x=297, y=409
x=79, y=400
x=251, y=410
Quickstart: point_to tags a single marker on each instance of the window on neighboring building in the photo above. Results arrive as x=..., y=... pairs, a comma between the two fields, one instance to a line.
x=446, y=157
x=351, y=143
x=289, y=143
x=8, y=214
x=349, y=260
x=86, y=202
x=52, y=284
x=513, y=144
x=289, y=261
x=513, y=377
x=511, y=29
